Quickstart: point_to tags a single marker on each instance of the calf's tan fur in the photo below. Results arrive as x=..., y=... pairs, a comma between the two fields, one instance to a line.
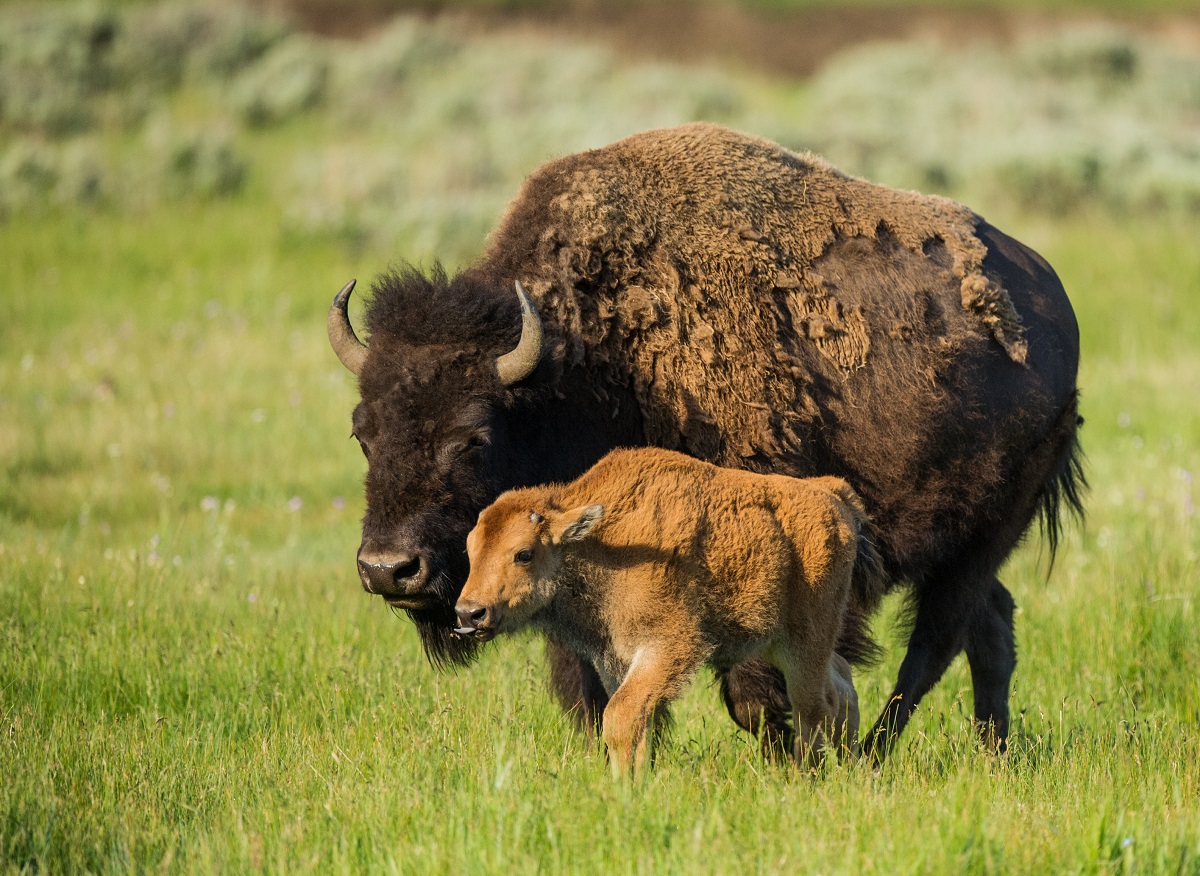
x=654, y=563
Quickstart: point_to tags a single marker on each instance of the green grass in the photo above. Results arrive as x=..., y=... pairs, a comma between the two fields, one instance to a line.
x=191, y=678
x=202, y=684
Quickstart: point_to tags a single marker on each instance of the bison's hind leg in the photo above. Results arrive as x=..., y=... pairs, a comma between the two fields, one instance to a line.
x=992, y=654
x=956, y=616
x=962, y=604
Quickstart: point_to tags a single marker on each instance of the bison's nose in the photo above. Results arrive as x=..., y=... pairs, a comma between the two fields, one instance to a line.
x=390, y=574
x=471, y=616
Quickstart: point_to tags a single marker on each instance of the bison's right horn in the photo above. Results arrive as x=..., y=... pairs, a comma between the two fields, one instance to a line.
x=519, y=363
x=350, y=350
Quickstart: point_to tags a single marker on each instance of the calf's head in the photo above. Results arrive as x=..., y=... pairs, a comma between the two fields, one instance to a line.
x=516, y=555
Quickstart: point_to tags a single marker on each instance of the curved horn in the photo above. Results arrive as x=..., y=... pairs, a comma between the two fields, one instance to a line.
x=520, y=362
x=350, y=350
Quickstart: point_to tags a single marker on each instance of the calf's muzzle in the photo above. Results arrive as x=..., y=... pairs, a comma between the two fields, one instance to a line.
x=475, y=619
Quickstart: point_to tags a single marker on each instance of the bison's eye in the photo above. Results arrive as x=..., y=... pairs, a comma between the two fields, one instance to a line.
x=523, y=557
x=460, y=447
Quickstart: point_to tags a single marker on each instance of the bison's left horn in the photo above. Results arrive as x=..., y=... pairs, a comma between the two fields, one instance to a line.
x=350, y=350
x=520, y=362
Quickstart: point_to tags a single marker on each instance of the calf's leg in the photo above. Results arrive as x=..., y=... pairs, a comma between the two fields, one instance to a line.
x=655, y=677
x=815, y=707
x=845, y=729
x=818, y=686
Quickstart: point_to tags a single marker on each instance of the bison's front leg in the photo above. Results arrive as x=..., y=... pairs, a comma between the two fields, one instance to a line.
x=655, y=677
x=756, y=696
x=576, y=686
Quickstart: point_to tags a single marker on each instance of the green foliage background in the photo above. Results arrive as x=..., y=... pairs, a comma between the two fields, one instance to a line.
x=190, y=676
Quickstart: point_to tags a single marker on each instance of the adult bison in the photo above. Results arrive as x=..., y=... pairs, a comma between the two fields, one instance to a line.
x=702, y=290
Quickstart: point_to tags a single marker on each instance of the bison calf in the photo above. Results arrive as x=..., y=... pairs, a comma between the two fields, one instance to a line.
x=653, y=563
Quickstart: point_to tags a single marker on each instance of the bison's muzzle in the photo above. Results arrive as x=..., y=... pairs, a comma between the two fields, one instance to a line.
x=398, y=576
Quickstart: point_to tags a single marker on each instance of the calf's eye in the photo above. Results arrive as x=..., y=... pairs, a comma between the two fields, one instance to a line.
x=523, y=557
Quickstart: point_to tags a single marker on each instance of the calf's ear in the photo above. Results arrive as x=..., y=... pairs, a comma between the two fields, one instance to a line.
x=575, y=525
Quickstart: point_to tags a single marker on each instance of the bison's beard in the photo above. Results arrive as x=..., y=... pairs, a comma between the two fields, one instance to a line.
x=436, y=621
x=443, y=647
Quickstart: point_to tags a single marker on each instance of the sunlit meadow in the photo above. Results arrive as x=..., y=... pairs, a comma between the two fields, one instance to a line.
x=190, y=675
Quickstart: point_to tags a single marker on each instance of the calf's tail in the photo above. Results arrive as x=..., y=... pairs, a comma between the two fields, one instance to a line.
x=867, y=585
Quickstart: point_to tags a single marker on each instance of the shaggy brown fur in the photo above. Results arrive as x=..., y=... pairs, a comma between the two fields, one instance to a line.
x=640, y=244
x=653, y=563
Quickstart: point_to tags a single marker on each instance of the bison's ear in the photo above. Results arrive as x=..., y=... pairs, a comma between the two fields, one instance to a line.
x=577, y=524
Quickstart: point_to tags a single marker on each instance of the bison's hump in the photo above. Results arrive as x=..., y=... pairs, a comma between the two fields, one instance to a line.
x=694, y=263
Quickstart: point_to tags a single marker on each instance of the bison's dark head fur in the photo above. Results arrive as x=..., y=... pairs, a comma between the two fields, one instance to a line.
x=432, y=421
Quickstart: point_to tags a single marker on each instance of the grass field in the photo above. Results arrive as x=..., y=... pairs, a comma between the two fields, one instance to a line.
x=191, y=678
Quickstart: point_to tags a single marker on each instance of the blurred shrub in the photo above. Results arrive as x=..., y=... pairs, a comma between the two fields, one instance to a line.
x=81, y=174
x=202, y=164
x=34, y=175
x=57, y=60
x=1053, y=183
x=27, y=177
x=52, y=61
x=1091, y=117
x=289, y=79
x=231, y=39
x=1101, y=56
x=417, y=136
x=377, y=71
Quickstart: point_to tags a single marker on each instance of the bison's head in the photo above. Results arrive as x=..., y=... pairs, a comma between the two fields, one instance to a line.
x=439, y=383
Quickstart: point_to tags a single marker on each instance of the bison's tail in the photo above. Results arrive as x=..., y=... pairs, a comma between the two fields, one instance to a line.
x=1067, y=481
x=867, y=585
